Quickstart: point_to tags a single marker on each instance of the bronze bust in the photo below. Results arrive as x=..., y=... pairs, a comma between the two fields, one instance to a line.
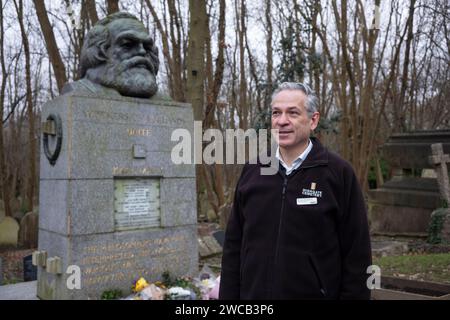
x=118, y=53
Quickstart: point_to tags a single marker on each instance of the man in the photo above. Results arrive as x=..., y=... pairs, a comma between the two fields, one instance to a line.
x=302, y=233
x=118, y=53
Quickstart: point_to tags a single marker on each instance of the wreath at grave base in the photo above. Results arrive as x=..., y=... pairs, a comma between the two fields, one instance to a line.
x=436, y=225
x=204, y=287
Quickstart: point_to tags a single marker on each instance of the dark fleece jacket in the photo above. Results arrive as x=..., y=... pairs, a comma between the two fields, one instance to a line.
x=279, y=247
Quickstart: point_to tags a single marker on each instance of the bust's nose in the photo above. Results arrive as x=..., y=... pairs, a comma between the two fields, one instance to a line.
x=141, y=50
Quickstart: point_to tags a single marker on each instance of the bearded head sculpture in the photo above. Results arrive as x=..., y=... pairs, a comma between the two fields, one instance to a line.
x=119, y=53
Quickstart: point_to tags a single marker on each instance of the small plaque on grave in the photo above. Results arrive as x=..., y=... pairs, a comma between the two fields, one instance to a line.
x=137, y=203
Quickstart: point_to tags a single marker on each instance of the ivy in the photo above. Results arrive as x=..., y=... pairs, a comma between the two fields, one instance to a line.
x=435, y=226
x=112, y=294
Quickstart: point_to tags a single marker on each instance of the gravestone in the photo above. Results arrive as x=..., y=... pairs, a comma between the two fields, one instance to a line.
x=220, y=237
x=440, y=160
x=28, y=232
x=9, y=229
x=403, y=205
x=116, y=215
x=112, y=203
x=29, y=270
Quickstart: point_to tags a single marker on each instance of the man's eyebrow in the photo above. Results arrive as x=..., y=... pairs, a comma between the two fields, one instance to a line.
x=288, y=108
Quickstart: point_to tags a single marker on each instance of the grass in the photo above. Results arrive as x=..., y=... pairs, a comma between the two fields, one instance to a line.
x=428, y=267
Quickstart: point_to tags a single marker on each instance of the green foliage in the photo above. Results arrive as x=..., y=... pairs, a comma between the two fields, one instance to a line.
x=435, y=226
x=372, y=175
x=293, y=55
x=183, y=282
x=330, y=124
x=167, y=279
x=113, y=294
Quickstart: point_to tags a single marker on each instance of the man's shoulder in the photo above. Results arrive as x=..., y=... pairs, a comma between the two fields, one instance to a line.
x=87, y=87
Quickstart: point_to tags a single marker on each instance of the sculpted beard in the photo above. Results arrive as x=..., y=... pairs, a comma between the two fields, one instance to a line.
x=132, y=77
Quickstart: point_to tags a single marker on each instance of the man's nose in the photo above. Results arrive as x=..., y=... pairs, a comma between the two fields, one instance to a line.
x=283, y=119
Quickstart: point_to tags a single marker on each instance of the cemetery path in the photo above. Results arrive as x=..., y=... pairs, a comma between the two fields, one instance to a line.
x=19, y=291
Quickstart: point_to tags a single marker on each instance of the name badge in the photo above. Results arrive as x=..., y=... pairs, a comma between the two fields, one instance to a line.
x=306, y=201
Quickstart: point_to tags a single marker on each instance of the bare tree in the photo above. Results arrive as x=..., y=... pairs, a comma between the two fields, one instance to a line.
x=112, y=6
x=3, y=175
x=51, y=45
x=32, y=180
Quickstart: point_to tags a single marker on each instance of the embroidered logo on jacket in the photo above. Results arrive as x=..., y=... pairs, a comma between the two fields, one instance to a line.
x=312, y=192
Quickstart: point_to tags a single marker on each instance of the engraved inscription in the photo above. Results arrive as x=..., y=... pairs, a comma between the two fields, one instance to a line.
x=132, y=132
x=149, y=119
x=121, y=261
x=122, y=171
x=137, y=203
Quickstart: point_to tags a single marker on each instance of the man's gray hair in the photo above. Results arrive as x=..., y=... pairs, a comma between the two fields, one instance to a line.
x=97, y=41
x=311, y=98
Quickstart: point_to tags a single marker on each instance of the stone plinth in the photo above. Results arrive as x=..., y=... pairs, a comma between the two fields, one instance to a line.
x=114, y=204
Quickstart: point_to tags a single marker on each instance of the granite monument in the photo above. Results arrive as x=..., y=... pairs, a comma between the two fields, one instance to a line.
x=113, y=206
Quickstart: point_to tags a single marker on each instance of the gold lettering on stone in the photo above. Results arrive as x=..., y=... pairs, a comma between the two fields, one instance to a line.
x=122, y=171
x=132, y=132
x=114, y=262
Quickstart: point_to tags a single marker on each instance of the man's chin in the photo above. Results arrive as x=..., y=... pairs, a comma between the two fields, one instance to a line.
x=142, y=84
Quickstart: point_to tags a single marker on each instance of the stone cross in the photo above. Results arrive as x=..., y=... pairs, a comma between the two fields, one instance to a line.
x=439, y=160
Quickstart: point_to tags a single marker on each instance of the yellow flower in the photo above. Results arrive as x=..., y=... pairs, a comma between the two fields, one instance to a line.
x=140, y=285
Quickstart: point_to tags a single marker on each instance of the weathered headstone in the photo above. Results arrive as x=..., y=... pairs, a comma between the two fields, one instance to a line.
x=220, y=237
x=9, y=229
x=112, y=203
x=403, y=205
x=440, y=160
x=28, y=232
x=29, y=270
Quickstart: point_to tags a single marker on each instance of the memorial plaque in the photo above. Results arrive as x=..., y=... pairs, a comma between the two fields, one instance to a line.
x=137, y=203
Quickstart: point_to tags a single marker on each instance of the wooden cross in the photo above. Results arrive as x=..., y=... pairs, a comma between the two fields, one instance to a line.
x=439, y=160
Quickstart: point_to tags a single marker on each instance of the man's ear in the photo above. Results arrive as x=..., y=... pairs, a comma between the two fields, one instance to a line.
x=315, y=120
x=100, y=55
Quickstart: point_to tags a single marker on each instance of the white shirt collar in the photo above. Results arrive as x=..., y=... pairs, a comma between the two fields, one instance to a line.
x=297, y=162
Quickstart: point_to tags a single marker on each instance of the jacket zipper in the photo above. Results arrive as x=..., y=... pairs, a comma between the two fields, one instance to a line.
x=283, y=197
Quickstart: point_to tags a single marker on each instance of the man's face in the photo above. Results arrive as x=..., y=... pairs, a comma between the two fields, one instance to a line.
x=289, y=116
x=130, y=68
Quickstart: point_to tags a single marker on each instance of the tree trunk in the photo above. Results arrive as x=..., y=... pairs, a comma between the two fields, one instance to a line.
x=269, y=56
x=112, y=6
x=196, y=56
x=30, y=114
x=4, y=186
x=50, y=42
x=214, y=87
x=243, y=79
x=92, y=11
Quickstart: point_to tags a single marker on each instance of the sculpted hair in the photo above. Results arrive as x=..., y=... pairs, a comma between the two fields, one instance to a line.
x=97, y=42
x=311, y=99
